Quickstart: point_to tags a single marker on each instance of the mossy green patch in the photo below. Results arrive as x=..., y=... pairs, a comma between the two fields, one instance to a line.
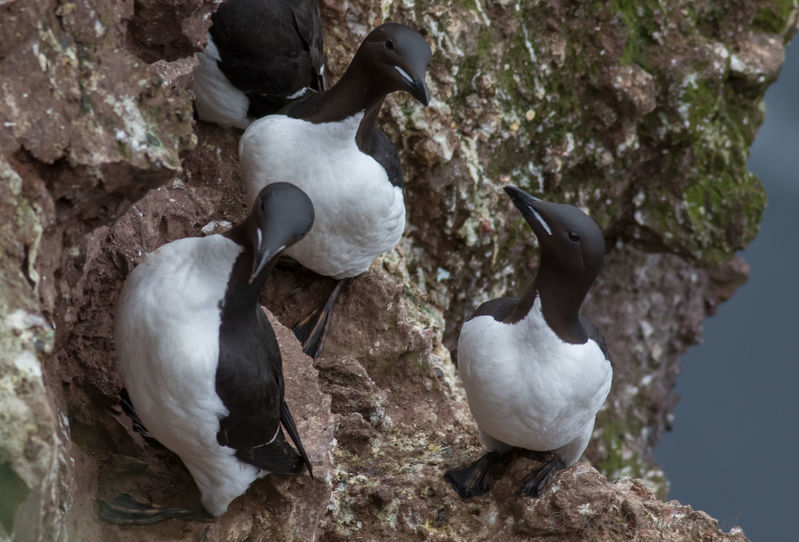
x=621, y=438
x=775, y=15
x=640, y=22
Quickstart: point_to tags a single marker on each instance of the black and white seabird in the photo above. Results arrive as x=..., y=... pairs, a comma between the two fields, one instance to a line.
x=329, y=143
x=535, y=371
x=261, y=54
x=200, y=360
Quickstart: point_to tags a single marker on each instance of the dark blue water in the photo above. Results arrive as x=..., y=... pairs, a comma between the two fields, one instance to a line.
x=733, y=451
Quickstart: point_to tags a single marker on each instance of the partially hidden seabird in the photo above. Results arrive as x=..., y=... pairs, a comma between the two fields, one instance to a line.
x=260, y=55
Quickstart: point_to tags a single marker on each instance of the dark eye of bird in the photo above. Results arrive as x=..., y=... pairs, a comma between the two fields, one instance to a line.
x=574, y=236
x=389, y=45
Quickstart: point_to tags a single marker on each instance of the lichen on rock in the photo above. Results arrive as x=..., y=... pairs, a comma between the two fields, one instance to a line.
x=31, y=447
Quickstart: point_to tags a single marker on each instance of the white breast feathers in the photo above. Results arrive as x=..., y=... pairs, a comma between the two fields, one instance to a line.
x=528, y=388
x=359, y=214
x=167, y=342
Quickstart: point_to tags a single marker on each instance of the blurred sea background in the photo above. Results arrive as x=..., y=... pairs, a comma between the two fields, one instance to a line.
x=733, y=449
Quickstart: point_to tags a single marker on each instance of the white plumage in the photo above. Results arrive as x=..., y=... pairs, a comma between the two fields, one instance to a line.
x=359, y=213
x=528, y=388
x=167, y=341
x=216, y=99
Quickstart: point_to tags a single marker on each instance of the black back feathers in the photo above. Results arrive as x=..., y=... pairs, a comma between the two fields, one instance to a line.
x=270, y=49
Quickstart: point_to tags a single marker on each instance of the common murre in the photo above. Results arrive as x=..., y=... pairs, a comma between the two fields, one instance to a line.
x=200, y=360
x=535, y=371
x=260, y=55
x=329, y=143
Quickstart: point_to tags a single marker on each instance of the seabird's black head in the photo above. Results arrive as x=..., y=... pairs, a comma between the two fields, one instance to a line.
x=570, y=241
x=281, y=215
x=396, y=57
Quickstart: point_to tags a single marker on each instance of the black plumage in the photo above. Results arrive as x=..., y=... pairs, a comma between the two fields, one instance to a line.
x=270, y=49
x=253, y=391
x=260, y=55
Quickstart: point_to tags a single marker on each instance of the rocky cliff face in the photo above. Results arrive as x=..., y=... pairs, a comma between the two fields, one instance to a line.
x=639, y=112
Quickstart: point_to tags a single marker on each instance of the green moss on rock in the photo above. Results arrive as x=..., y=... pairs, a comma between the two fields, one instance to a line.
x=776, y=15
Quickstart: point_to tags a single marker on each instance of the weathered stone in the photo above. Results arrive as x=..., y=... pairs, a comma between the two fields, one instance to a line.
x=85, y=128
x=32, y=448
x=651, y=308
x=582, y=505
x=168, y=29
x=351, y=389
x=178, y=73
x=634, y=87
x=758, y=58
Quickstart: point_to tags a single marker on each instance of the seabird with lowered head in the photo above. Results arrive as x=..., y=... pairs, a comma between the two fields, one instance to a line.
x=329, y=144
x=535, y=371
x=200, y=360
x=260, y=55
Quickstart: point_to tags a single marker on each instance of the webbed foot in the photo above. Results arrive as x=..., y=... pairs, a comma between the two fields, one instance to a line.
x=128, y=509
x=312, y=330
x=534, y=483
x=471, y=480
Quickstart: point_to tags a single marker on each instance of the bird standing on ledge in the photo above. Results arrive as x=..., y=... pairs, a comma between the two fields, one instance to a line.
x=260, y=55
x=329, y=143
x=535, y=371
x=201, y=362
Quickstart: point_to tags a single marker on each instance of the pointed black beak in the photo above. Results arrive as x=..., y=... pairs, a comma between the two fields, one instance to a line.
x=258, y=264
x=416, y=87
x=265, y=252
x=520, y=198
x=419, y=91
x=531, y=208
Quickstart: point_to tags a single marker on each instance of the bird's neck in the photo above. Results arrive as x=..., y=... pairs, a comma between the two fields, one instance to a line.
x=560, y=300
x=241, y=295
x=352, y=94
x=364, y=134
